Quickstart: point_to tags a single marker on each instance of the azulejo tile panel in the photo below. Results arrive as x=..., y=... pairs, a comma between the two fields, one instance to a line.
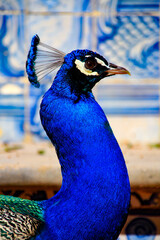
x=137, y=5
x=11, y=112
x=128, y=6
x=12, y=5
x=59, y=6
x=131, y=41
x=12, y=46
x=64, y=32
x=129, y=99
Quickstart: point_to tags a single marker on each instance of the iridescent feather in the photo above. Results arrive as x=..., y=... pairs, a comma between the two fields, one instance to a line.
x=19, y=218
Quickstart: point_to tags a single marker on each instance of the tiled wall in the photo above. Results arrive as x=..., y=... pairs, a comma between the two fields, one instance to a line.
x=126, y=32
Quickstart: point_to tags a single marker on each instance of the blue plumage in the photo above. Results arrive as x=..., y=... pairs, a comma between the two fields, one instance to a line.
x=40, y=61
x=31, y=61
x=93, y=201
x=94, y=198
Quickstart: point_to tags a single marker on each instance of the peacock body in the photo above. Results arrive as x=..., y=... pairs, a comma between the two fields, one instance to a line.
x=93, y=201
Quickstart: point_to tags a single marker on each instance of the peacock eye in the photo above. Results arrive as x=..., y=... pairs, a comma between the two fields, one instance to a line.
x=90, y=63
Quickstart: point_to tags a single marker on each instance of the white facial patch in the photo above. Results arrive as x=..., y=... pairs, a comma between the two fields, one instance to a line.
x=81, y=67
x=99, y=61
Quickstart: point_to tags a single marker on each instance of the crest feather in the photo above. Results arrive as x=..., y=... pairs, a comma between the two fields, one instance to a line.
x=42, y=59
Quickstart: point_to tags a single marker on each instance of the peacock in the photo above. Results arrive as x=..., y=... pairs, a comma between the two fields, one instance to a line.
x=93, y=201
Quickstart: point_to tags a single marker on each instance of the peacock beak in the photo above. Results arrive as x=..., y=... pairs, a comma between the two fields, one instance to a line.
x=114, y=69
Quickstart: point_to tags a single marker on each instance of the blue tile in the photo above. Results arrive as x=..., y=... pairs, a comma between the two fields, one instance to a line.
x=13, y=5
x=129, y=99
x=12, y=46
x=137, y=5
x=131, y=41
x=59, y=6
x=64, y=32
x=11, y=111
x=142, y=6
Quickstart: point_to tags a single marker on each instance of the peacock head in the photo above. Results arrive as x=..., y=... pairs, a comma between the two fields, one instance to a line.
x=87, y=68
x=84, y=67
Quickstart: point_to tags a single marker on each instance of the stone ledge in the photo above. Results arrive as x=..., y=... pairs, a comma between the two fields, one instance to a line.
x=37, y=165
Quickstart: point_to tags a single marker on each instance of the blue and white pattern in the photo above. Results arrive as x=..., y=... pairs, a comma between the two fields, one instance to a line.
x=12, y=46
x=131, y=41
x=59, y=6
x=13, y=5
x=12, y=105
x=137, y=6
x=61, y=31
x=128, y=6
x=118, y=32
x=129, y=99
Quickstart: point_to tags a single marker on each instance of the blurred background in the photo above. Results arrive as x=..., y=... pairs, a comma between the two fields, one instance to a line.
x=125, y=32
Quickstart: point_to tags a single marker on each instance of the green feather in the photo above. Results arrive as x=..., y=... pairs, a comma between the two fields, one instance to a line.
x=22, y=206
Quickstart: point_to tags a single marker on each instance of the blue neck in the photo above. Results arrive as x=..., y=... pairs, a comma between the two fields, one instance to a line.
x=88, y=152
